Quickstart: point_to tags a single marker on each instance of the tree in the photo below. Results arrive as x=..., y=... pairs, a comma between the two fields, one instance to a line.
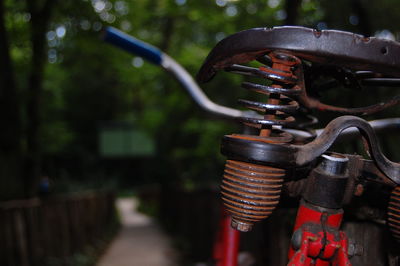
x=55, y=90
x=10, y=134
x=40, y=19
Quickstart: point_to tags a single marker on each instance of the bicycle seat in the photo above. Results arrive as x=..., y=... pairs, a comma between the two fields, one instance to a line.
x=329, y=47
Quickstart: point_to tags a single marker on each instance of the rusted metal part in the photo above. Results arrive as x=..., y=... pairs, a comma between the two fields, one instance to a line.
x=288, y=155
x=256, y=169
x=354, y=167
x=281, y=63
x=330, y=47
x=285, y=71
x=370, y=172
x=240, y=148
x=250, y=192
x=263, y=72
x=279, y=93
x=380, y=126
x=310, y=151
x=349, y=79
x=327, y=48
x=361, y=173
x=393, y=213
x=294, y=188
x=312, y=103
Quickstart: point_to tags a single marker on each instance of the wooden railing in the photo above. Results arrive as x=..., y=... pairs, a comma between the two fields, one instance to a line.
x=49, y=231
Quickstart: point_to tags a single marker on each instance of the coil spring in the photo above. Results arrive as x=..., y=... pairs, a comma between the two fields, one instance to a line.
x=394, y=213
x=251, y=192
x=279, y=102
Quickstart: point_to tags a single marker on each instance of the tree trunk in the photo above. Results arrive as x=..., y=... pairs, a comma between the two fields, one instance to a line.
x=168, y=30
x=292, y=11
x=40, y=17
x=364, y=24
x=11, y=185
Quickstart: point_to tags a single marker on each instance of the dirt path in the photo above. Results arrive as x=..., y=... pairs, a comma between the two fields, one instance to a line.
x=139, y=243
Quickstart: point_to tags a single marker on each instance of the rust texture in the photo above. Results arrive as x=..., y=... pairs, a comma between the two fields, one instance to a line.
x=280, y=105
x=281, y=65
x=394, y=213
x=251, y=192
x=328, y=47
x=372, y=60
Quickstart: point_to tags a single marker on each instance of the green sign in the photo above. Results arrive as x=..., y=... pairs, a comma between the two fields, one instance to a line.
x=124, y=140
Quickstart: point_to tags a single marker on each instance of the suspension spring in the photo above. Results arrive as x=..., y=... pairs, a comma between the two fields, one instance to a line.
x=393, y=214
x=251, y=192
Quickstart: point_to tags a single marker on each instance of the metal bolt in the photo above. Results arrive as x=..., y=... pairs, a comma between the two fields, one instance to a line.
x=334, y=164
x=296, y=239
x=241, y=226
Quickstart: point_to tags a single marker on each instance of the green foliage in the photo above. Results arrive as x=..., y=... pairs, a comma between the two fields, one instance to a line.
x=87, y=82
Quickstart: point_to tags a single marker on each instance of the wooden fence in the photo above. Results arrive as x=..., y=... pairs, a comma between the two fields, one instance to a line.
x=49, y=231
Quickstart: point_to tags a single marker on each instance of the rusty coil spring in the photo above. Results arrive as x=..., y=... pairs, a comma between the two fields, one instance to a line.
x=393, y=214
x=284, y=86
x=251, y=192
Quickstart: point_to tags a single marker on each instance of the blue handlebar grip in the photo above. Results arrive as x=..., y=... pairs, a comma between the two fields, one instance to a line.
x=132, y=45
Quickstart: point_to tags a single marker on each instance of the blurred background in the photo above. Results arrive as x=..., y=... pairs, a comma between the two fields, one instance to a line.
x=83, y=122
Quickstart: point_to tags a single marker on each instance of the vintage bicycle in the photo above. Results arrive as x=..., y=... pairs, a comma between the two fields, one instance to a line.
x=288, y=156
